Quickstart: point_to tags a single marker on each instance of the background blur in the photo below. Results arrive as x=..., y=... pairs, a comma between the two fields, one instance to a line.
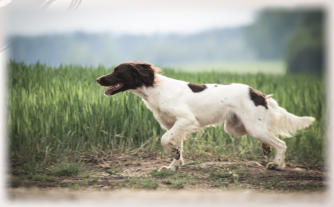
x=201, y=35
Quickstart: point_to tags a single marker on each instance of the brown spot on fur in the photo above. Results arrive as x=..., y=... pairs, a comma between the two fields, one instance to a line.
x=145, y=71
x=258, y=97
x=266, y=149
x=196, y=87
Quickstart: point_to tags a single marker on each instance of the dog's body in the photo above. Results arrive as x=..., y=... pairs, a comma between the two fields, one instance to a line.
x=182, y=108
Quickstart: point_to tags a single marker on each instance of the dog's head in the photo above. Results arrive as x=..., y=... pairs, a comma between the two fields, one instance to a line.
x=128, y=76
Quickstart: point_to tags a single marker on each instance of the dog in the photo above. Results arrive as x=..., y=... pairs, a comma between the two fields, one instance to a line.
x=182, y=108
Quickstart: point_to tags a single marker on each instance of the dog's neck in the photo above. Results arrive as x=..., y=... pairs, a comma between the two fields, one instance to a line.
x=151, y=91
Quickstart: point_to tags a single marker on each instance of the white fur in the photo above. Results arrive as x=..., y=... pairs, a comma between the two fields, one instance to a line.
x=285, y=123
x=181, y=111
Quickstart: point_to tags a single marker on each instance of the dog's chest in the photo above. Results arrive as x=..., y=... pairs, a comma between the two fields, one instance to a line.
x=162, y=114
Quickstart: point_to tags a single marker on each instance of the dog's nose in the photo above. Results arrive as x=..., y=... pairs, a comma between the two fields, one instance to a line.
x=98, y=80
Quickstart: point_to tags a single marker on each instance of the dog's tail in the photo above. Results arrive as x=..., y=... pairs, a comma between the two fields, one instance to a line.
x=283, y=123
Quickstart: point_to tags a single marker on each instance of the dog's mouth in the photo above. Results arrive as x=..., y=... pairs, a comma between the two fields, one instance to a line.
x=113, y=89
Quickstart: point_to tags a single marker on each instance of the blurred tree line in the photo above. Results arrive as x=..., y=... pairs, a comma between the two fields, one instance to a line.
x=297, y=36
x=216, y=45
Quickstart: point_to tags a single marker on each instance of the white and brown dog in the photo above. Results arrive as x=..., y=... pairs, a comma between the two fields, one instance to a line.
x=182, y=108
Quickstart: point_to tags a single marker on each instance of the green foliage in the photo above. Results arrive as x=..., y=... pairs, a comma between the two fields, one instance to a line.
x=221, y=175
x=270, y=32
x=305, y=49
x=297, y=36
x=66, y=169
x=144, y=183
x=53, y=111
x=162, y=173
x=42, y=178
x=177, y=184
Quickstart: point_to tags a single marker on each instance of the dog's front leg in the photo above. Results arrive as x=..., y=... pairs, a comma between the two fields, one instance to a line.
x=172, y=141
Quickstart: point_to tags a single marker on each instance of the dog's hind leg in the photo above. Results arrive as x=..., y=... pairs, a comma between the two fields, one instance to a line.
x=279, y=145
x=235, y=127
x=257, y=126
x=172, y=141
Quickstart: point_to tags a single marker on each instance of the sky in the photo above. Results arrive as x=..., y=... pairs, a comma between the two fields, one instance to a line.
x=31, y=17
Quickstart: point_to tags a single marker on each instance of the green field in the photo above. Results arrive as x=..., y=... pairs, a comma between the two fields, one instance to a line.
x=58, y=114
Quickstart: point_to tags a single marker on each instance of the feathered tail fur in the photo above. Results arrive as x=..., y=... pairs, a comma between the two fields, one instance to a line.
x=283, y=123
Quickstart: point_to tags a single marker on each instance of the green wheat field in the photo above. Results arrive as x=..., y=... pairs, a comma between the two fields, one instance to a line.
x=60, y=113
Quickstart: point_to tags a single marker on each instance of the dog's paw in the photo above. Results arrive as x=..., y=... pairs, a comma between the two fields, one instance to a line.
x=275, y=166
x=163, y=168
x=173, y=168
x=174, y=165
x=272, y=166
x=176, y=153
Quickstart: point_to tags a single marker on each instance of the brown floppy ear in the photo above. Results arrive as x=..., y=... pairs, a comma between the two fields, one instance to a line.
x=145, y=72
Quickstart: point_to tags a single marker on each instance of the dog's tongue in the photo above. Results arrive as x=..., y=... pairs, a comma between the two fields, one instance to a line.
x=113, y=88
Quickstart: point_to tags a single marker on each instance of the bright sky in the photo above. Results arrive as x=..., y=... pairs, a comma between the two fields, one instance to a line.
x=123, y=16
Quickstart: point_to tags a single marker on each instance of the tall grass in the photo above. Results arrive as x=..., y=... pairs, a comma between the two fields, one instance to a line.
x=57, y=110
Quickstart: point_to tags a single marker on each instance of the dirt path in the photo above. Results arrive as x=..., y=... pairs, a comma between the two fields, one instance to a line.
x=118, y=173
x=169, y=197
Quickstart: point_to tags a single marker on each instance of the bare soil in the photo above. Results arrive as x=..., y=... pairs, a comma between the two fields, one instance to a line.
x=138, y=171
